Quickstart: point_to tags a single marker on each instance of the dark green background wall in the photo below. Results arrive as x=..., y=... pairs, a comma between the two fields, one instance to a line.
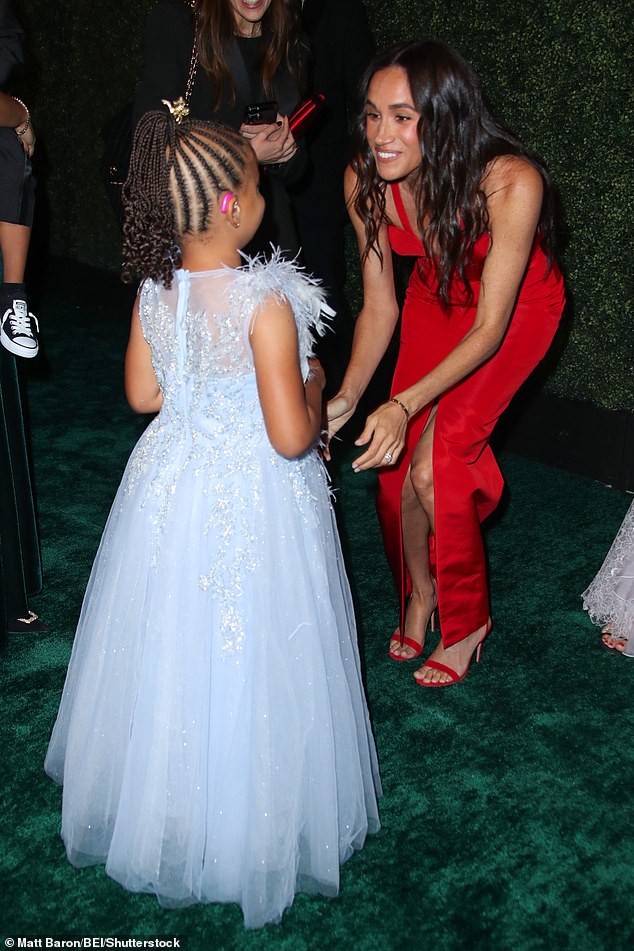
x=557, y=71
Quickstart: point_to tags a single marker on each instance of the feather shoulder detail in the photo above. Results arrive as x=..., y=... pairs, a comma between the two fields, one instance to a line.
x=260, y=278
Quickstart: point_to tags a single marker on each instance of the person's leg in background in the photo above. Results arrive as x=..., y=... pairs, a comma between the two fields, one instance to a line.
x=18, y=327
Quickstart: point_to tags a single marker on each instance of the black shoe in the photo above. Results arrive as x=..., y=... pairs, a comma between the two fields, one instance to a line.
x=30, y=622
x=19, y=330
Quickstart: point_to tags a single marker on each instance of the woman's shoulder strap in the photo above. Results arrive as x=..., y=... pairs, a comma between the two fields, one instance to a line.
x=400, y=207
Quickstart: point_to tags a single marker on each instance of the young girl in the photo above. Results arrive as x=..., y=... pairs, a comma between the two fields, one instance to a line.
x=213, y=738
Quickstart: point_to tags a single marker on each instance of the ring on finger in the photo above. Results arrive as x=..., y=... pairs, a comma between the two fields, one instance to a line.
x=388, y=456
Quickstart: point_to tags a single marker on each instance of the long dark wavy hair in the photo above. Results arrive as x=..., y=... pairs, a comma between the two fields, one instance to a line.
x=177, y=172
x=458, y=139
x=216, y=27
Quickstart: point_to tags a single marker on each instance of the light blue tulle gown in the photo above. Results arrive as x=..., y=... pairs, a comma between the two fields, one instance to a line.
x=213, y=737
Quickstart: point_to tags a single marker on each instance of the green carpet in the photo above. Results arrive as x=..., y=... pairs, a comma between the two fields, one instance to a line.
x=507, y=814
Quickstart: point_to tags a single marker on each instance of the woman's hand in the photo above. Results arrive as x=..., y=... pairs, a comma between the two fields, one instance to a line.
x=341, y=408
x=385, y=430
x=273, y=144
x=317, y=379
x=28, y=140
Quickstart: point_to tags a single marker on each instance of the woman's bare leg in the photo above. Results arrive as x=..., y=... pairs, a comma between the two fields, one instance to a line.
x=458, y=656
x=417, y=512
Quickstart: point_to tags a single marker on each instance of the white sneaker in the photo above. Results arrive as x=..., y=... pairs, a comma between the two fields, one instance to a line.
x=19, y=330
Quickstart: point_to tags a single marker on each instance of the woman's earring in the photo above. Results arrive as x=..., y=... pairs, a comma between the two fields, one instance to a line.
x=235, y=214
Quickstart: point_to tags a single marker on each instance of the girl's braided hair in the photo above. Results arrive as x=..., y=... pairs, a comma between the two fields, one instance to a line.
x=177, y=172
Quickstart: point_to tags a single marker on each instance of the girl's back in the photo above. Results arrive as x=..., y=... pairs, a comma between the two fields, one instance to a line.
x=199, y=329
x=219, y=601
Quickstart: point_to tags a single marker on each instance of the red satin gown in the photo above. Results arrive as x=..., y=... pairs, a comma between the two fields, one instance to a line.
x=467, y=481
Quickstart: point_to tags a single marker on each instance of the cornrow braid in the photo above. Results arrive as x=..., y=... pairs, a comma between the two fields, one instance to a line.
x=177, y=171
x=199, y=157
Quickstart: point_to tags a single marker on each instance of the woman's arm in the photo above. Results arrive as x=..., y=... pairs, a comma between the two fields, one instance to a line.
x=141, y=386
x=12, y=113
x=376, y=321
x=515, y=192
x=15, y=115
x=291, y=408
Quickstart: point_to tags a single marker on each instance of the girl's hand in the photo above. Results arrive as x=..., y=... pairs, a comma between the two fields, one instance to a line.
x=273, y=144
x=385, y=430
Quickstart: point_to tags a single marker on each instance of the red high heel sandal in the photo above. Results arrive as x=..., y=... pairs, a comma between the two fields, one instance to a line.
x=410, y=642
x=455, y=677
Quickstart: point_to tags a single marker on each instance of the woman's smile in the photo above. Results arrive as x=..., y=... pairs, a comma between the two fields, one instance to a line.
x=391, y=122
x=248, y=14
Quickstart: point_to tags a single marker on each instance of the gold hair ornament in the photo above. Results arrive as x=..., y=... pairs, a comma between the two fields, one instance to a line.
x=179, y=108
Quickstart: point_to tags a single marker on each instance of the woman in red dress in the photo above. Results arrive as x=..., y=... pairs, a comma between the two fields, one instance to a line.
x=436, y=177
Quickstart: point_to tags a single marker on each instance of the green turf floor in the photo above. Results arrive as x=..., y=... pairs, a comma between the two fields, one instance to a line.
x=508, y=814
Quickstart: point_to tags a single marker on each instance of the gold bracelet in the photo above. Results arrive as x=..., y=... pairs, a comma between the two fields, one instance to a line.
x=402, y=405
x=27, y=121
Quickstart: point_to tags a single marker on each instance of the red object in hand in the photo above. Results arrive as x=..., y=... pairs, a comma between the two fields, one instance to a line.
x=305, y=114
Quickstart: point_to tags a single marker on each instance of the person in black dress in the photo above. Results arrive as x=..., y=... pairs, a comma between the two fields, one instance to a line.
x=246, y=55
x=20, y=563
x=18, y=327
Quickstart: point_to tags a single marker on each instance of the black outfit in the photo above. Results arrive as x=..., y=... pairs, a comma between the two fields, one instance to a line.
x=17, y=185
x=20, y=564
x=168, y=48
x=341, y=45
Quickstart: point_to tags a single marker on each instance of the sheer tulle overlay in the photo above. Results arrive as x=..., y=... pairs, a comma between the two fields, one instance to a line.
x=609, y=599
x=213, y=737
